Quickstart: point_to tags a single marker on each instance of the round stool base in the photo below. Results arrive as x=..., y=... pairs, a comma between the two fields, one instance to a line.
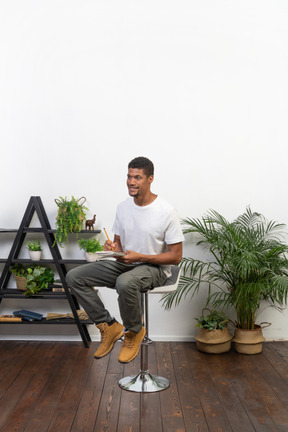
x=144, y=383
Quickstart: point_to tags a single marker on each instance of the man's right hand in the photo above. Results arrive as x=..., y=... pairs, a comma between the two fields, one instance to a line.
x=113, y=246
x=109, y=246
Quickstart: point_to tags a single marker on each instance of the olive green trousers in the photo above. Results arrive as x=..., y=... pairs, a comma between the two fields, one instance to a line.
x=129, y=280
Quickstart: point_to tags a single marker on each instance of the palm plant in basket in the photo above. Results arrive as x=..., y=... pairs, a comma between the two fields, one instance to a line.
x=247, y=265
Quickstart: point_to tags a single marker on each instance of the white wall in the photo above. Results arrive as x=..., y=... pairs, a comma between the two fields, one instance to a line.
x=200, y=87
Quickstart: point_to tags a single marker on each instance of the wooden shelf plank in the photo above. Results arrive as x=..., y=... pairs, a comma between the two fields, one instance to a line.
x=49, y=322
x=47, y=294
x=48, y=261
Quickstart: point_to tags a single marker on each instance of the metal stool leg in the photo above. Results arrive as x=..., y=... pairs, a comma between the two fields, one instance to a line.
x=144, y=382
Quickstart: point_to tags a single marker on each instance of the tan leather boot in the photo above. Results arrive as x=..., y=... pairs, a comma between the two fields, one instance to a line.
x=131, y=345
x=109, y=335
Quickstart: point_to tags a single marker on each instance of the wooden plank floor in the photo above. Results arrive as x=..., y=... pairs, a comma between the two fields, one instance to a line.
x=58, y=386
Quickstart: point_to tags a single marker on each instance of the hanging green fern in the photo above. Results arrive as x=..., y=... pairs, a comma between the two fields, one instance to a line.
x=70, y=217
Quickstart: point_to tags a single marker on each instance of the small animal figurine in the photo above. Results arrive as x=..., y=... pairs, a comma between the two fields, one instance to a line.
x=90, y=223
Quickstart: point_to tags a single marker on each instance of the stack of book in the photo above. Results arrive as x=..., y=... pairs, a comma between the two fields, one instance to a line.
x=28, y=315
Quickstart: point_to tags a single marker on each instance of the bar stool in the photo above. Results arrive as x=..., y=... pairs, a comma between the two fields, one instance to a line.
x=144, y=382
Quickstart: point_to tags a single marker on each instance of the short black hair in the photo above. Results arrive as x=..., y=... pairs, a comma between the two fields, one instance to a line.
x=142, y=163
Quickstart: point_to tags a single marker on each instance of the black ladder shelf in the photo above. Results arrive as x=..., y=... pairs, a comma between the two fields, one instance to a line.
x=35, y=205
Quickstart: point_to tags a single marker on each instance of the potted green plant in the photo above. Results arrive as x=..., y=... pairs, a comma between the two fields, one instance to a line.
x=34, y=278
x=70, y=217
x=213, y=335
x=37, y=279
x=247, y=265
x=90, y=246
x=20, y=272
x=35, y=250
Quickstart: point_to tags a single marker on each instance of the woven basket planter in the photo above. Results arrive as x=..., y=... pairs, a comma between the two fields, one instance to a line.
x=213, y=341
x=248, y=341
x=21, y=283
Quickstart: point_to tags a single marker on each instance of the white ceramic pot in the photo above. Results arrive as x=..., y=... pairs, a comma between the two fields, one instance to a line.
x=91, y=257
x=35, y=255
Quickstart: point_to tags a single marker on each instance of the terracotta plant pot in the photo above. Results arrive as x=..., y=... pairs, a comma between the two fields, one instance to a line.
x=248, y=341
x=213, y=341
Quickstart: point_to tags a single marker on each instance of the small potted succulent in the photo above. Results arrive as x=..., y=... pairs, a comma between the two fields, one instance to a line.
x=90, y=246
x=35, y=250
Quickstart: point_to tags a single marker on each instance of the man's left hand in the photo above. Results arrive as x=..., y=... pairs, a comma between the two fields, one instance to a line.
x=129, y=257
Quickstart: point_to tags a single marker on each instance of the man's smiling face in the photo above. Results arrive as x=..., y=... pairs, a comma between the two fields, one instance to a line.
x=138, y=183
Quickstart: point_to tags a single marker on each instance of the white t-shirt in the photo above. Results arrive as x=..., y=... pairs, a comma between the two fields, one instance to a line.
x=147, y=229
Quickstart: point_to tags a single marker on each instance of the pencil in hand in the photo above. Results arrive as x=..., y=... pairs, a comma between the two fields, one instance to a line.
x=108, y=237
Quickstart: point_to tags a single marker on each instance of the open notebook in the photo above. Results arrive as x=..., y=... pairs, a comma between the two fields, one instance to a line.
x=109, y=254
